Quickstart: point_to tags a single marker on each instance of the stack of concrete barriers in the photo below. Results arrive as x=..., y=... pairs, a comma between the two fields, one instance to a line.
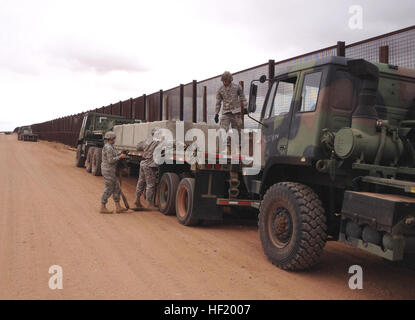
x=129, y=135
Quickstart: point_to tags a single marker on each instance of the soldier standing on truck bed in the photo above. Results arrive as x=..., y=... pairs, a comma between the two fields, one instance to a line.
x=233, y=99
x=110, y=157
x=148, y=171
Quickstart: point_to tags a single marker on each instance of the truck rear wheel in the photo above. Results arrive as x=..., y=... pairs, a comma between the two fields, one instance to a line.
x=96, y=162
x=292, y=226
x=80, y=161
x=89, y=158
x=184, y=202
x=167, y=190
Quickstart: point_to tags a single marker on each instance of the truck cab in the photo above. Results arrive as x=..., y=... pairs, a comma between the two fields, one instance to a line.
x=337, y=140
x=91, y=139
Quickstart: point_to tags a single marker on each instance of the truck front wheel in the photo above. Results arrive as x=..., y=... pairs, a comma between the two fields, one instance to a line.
x=184, y=202
x=292, y=226
x=80, y=160
x=96, y=162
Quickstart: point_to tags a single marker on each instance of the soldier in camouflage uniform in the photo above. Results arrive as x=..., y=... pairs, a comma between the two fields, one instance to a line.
x=148, y=170
x=110, y=157
x=233, y=97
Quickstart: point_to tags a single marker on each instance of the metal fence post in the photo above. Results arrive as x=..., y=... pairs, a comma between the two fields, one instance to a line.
x=145, y=106
x=384, y=54
x=341, y=49
x=194, y=101
x=181, y=101
x=204, y=105
x=166, y=106
x=161, y=105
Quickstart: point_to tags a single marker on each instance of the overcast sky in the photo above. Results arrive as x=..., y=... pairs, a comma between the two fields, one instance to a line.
x=63, y=57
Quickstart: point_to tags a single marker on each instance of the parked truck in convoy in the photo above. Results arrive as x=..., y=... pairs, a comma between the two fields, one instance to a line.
x=91, y=139
x=338, y=163
x=25, y=133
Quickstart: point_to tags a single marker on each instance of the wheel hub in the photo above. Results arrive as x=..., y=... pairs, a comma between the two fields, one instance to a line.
x=281, y=227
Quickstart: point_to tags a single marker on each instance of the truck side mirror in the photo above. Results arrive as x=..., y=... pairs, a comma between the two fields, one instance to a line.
x=252, y=98
x=263, y=78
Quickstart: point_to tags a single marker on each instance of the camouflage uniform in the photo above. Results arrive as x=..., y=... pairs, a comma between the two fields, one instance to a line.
x=232, y=97
x=148, y=170
x=110, y=158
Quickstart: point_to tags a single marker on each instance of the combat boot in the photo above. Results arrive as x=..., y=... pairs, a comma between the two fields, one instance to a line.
x=118, y=208
x=152, y=206
x=104, y=209
x=137, y=203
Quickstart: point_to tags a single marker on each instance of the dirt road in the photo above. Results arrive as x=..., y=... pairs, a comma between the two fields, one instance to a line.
x=48, y=216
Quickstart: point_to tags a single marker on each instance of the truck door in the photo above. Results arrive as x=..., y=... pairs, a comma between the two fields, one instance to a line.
x=308, y=119
x=277, y=117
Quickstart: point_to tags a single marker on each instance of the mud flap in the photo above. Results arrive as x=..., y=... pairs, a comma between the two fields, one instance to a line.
x=209, y=186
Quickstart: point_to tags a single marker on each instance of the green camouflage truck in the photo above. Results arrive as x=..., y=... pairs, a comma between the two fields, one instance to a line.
x=338, y=164
x=91, y=139
x=338, y=161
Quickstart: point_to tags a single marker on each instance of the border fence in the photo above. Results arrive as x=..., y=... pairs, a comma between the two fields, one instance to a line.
x=195, y=101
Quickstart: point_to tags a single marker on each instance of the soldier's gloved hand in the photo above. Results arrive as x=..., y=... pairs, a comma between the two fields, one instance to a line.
x=216, y=118
x=246, y=111
x=123, y=156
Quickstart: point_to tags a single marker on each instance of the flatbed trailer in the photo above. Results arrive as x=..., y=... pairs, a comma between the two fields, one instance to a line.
x=198, y=192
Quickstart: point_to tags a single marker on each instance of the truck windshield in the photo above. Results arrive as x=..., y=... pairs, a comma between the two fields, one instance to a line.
x=280, y=97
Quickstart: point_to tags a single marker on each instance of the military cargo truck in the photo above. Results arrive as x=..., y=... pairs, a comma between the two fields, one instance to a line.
x=338, y=164
x=339, y=161
x=26, y=134
x=91, y=139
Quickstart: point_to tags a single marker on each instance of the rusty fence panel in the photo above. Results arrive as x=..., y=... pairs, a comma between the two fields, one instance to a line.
x=139, y=108
x=188, y=102
x=400, y=44
x=116, y=109
x=172, y=97
x=126, y=108
x=153, y=107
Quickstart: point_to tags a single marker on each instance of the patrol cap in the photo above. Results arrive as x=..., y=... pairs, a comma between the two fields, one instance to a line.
x=110, y=135
x=227, y=76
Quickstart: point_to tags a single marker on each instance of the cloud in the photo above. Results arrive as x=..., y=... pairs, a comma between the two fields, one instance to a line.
x=87, y=57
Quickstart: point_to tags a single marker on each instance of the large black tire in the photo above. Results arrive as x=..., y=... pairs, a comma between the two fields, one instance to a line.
x=184, y=202
x=89, y=158
x=292, y=226
x=167, y=190
x=80, y=160
x=96, y=162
